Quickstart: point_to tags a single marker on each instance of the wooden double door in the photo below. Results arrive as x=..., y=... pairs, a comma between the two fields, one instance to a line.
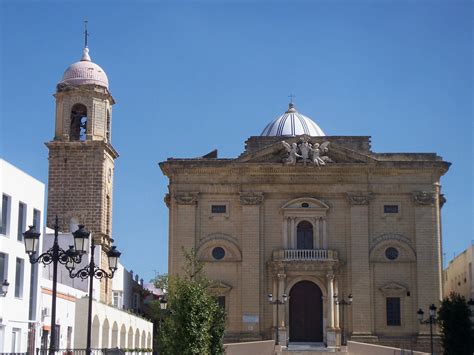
x=306, y=312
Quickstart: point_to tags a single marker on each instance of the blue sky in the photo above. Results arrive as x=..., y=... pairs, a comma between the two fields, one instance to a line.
x=189, y=77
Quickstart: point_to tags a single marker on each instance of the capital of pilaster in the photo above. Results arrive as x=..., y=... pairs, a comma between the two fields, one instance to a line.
x=186, y=198
x=281, y=276
x=330, y=276
x=360, y=198
x=251, y=198
x=424, y=198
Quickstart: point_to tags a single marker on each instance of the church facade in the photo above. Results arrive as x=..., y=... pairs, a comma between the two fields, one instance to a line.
x=347, y=241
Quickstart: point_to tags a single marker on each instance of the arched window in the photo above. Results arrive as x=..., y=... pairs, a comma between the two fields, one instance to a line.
x=78, y=123
x=304, y=235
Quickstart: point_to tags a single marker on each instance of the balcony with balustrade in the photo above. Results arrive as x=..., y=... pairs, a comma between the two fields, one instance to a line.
x=305, y=255
x=304, y=259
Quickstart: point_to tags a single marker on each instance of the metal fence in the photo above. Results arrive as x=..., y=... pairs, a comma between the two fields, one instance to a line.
x=114, y=351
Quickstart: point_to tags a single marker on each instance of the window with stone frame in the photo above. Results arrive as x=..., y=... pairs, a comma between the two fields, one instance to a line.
x=393, y=311
x=221, y=301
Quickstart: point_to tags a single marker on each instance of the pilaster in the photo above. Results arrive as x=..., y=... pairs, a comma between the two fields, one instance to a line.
x=251, y=293
x=359, y=264
x=428, y=253
x=185, y=210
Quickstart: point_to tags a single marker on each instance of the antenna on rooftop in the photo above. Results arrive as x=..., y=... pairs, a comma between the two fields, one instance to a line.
x=86, y=33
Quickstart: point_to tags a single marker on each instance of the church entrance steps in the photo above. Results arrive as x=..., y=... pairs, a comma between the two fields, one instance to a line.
x=311, y=349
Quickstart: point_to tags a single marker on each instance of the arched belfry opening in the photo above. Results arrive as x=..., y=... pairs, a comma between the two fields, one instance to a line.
x=78, y=123
x=304, y=235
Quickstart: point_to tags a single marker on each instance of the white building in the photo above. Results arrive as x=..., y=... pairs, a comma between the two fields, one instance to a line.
x=112, y=325
x=458, y=275
x=22, y=205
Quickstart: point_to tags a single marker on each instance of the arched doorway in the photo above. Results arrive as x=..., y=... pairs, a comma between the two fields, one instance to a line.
x=304, y=235
x=306, y=312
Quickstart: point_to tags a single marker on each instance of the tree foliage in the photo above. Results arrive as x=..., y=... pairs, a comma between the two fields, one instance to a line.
x=160, y=281
x=195, y=321
x=457, y=335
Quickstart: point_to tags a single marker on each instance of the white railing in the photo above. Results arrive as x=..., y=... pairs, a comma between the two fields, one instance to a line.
x=304, y=254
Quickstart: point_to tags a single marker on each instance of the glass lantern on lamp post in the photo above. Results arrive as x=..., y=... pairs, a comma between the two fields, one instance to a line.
x=90, y=272
x=54, y=256
x=5, y=285
x=277, y=302
x=431, y=320
x=342, y=302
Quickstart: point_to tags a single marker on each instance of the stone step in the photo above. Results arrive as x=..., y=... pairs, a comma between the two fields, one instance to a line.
x=311, y=349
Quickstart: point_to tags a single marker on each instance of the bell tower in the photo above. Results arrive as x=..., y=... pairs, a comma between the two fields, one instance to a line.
x=81, y=156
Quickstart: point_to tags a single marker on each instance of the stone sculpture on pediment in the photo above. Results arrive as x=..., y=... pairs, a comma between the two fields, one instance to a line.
x=306, y=152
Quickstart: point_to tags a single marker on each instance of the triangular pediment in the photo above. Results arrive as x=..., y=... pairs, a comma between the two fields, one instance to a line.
x=279, y=153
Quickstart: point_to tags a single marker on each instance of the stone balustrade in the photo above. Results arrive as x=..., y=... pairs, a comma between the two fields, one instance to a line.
x=305, y=255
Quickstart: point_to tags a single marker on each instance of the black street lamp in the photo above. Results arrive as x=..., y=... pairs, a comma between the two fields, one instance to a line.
x=5, y=285
x=342, y=302
x=90, y=271
x=431, y=320
x=278, y=302
x=55, y=255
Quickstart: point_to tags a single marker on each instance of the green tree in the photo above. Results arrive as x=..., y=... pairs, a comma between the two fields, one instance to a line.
x=457, y=335
x=160, y=281
x=195, y=322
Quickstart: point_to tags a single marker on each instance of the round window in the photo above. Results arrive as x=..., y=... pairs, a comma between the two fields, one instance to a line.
x=218, y=253
x=391, y=253
x=305, y=205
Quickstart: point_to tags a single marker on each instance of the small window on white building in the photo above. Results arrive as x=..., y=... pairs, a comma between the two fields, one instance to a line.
x=19, y=277
x=37, y=219
x=5, y=216
x=21, y=221
x=117, y=299
x=136, y=301
x=16, y=340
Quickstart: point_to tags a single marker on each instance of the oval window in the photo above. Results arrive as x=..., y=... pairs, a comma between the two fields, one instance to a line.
x=391, y=253
x=218, y=253
x=305, y=205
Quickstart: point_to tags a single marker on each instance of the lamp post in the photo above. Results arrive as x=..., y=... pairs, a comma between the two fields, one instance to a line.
x=55, y=255
x=342, y=302
x=277, y=302
x=431, y=320
x=5, y=285
x=92, y=271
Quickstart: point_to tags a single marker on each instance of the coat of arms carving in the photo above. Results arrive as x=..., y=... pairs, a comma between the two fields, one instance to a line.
x=306, y=152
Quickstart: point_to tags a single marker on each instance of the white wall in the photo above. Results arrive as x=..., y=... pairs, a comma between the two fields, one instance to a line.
x=15, y=312
x=112, y=327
